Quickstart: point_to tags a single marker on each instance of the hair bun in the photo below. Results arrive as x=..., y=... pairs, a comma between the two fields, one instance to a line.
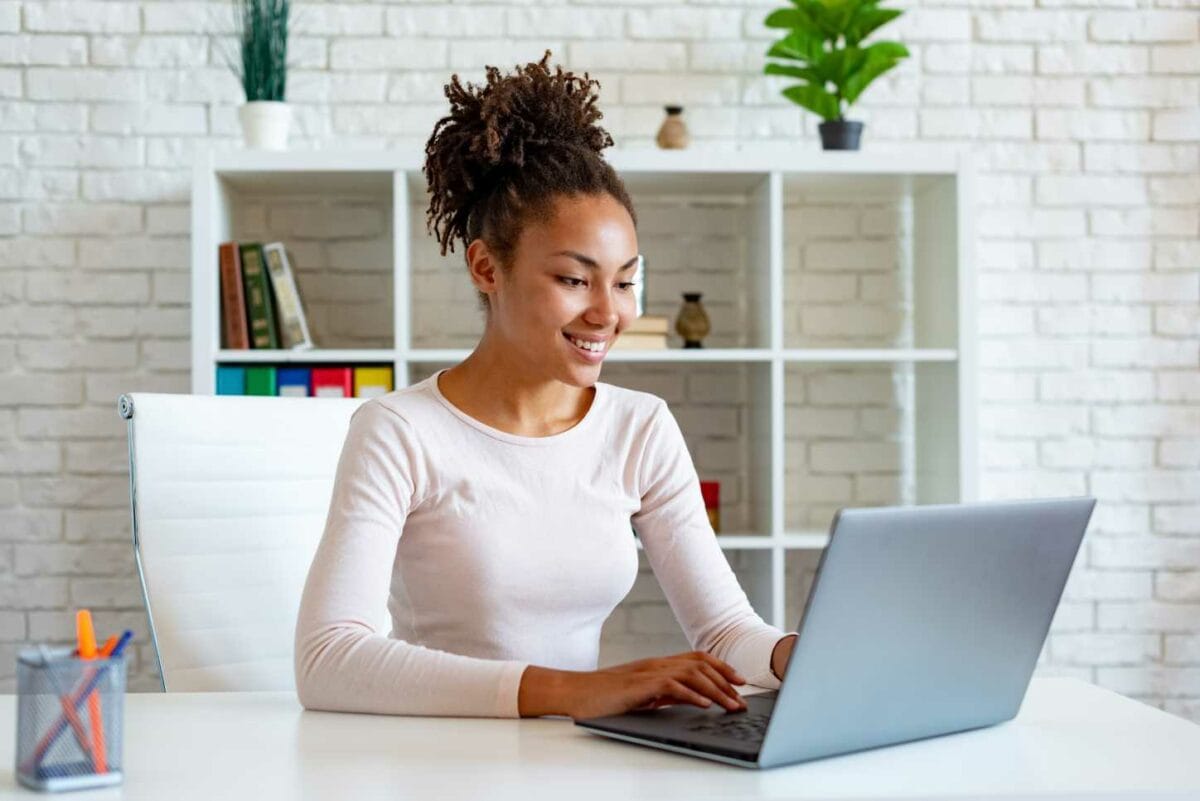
x=533, y=130
x=532, y=109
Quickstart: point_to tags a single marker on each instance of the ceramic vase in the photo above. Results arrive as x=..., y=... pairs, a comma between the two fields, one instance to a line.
x=692, y=323
x=673, y=133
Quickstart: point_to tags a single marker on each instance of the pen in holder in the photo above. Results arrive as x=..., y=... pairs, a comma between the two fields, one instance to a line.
x=58, y=747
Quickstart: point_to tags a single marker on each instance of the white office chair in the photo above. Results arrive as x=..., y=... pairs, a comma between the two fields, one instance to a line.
x=229, y=496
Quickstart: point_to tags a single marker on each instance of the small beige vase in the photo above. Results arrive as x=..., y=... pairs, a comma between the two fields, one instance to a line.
x=673, y=133
x=692, y=323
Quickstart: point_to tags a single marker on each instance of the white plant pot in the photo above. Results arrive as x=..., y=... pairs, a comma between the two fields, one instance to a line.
x=265, y=124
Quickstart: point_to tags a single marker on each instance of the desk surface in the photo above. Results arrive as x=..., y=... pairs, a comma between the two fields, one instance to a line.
x=1071, y=740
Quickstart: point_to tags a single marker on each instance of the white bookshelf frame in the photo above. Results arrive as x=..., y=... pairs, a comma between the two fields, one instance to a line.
x=938, y=183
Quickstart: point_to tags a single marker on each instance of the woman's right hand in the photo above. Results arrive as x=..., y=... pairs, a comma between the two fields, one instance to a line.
x=694, y=677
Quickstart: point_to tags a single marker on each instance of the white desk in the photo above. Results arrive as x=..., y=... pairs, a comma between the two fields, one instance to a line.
x=1070, y=741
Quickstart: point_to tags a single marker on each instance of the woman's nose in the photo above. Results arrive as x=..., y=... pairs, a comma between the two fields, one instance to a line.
x=603, y=308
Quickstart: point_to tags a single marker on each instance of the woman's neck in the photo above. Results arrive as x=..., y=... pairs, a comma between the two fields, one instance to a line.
x=506, y=395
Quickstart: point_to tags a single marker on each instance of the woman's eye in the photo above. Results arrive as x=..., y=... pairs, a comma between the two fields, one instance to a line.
x=628, y=285
x=571, y=281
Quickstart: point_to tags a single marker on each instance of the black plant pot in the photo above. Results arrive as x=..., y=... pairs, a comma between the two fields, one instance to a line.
x=840, y=134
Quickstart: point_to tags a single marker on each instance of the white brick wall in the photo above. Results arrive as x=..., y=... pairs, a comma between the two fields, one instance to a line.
x=1084, y=117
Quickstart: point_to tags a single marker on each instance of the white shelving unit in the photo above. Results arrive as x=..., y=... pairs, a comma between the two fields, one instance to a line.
x=776, y=207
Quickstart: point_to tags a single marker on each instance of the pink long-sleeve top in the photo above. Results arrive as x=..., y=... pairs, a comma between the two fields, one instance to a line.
x=495, y=551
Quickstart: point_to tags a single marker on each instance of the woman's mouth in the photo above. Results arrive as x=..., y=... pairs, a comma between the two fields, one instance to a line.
x=592, y=352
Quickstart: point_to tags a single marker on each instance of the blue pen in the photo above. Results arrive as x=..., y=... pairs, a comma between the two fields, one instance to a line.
x=77, y=700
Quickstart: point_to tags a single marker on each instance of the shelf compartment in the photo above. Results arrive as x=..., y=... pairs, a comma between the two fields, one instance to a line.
x=337, y=228
x=849, y=439
x=870, y=262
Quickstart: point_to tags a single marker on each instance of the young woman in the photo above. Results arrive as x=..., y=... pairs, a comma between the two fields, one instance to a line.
x=490, y=504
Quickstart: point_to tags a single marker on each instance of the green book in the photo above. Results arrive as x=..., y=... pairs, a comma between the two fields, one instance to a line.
x=260, y=381
x=259, y=310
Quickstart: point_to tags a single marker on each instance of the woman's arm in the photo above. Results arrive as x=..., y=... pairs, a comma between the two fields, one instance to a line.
x=341, y=662
x=703, y=591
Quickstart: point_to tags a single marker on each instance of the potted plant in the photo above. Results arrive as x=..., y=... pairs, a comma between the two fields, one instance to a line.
x=262, y=27
x=825, y=39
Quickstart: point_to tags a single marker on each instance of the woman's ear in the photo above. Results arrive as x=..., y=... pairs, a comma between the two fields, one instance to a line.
x=483, y=266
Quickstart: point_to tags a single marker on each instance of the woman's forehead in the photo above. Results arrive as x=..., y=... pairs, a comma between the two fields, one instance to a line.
x=595, y=228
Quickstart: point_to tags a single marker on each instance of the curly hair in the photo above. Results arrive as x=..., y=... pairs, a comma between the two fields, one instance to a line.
x=508, y=150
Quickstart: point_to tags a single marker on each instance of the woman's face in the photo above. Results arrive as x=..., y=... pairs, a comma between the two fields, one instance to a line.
x=571, y=283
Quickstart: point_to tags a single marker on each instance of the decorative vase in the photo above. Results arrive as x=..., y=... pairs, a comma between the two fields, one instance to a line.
x=840, y=134
x=692, y=323
x=265, y=124
x=673, y=134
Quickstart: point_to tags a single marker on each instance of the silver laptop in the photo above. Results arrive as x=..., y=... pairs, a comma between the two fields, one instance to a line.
x=921, y=621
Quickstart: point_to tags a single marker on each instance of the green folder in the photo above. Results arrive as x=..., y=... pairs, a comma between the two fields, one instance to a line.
x=260, y=381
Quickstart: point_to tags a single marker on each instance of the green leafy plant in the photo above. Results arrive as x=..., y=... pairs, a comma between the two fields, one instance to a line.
x=262, y=27
x=826, y=37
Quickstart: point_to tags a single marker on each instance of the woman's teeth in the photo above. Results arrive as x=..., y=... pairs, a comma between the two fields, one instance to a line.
x=594, y=347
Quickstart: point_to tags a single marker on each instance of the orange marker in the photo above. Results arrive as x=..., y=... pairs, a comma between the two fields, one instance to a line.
x=86, y=635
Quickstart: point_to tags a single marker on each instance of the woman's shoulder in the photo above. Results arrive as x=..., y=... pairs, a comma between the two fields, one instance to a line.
x=633, y=406
x=409, y=405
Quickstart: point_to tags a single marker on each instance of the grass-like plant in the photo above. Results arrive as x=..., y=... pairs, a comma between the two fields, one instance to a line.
x=262, y=27
x=825, y=38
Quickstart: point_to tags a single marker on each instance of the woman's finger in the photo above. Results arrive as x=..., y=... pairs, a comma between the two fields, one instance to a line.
x=724, y=668
x=723, y=685
x=682, y=691
x=699, y=681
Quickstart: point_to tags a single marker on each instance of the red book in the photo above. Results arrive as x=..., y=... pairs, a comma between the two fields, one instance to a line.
x=711, y=490
x=235, y=333
x=332, y=382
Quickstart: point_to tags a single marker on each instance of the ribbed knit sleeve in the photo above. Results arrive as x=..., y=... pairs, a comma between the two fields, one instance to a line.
x=682, y=549
x=342, y=663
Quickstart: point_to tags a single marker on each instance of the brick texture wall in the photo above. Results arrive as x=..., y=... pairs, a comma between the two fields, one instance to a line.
x=1083, y=116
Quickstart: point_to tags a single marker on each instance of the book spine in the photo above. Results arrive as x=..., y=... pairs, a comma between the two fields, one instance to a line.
x=258, y=298
x=233, y=298
x=293, y=327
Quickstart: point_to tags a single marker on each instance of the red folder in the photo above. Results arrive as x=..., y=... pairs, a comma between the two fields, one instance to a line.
x=332, y=382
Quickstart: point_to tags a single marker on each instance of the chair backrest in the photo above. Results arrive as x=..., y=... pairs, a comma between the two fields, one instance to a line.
x=229, y=496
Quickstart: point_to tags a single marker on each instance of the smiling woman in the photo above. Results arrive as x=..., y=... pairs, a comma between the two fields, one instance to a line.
x=492, y=501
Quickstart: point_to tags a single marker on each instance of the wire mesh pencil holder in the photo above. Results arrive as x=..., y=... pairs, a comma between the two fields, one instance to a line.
x=70, y=720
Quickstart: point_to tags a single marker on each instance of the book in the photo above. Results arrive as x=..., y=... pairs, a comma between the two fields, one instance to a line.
x=234, y=333
x=333, y=382
x=293, y=325
x=293, y=382
x=231, y=380
x=639, y=341
x=650, y=324
x=711, y=492
x=371, y=382
x=259, y=312
x=260, y=380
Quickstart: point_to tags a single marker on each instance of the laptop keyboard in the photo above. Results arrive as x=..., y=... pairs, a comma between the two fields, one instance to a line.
x=746, y=726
